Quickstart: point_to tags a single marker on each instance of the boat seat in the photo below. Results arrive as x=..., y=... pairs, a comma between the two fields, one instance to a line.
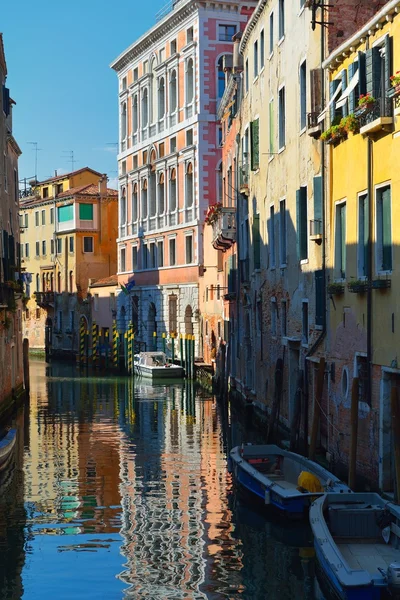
x=355, y=522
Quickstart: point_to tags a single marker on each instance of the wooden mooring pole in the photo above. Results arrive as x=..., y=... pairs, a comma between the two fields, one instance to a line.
x=353, y=434
x=317, y=409
x=25, y=358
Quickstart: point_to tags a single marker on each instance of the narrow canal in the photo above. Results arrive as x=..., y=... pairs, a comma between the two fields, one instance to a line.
x=122, y=491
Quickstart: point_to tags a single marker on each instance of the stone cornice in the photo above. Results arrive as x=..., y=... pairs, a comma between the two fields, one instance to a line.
x=13, y=144
x=251, y=24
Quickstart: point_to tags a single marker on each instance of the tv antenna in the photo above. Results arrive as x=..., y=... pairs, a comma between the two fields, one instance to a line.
x=35, y=144
x=71, y=159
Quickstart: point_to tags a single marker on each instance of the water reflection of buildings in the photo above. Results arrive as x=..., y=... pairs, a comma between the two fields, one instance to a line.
x=178, y=536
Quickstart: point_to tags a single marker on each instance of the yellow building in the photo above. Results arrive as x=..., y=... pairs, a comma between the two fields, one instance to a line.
x=69, y=227
x=364, y=251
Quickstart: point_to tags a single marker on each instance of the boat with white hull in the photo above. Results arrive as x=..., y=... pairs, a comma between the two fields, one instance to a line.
x=155, y=366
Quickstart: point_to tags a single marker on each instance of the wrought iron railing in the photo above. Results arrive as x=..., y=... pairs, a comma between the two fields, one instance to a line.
x=382, y=107
x=312, y=120
x=44, y=298
x=396, y=101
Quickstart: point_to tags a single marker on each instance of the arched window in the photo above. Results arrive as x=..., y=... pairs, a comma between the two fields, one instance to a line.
x=189, y=185
x=122, y=212
x=153, y=192
x=221, y=78
x=59, y=282
x=172, y=191
x=145, y=107
x=161, y=194
x=161, y=98
x=52, y=282
x=135, y=121
x=144, y=199
x=123, y=121
x=135, y=203
x=189, y=81
x=153, y=108
x=172, y=92
x=71, y=281
x=43, y=282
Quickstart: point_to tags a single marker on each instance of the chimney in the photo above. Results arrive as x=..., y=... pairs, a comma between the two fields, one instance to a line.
x=103, y=185
x=237, y=57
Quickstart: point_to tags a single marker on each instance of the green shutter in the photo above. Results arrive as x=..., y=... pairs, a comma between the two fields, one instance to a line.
x=319, y=298
x=343, y=240
x=364, y=233
x=386, y=231
x=388, y=61
x=298, y=223
x=362, y=84
x=86, y=212
x=332, y=89
x=345, y=109
x=65, y=213
x=303, y=224
x=352, y=96
x=255, y=150
x=317, y=182
x=373, y=71
x=256, y=242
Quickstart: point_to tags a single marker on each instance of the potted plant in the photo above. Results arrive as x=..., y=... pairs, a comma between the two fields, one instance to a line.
x=365, y=104
x=350, y=124
x=213, y=212
x=394, y=90
x=335, y=288
x=358, y=286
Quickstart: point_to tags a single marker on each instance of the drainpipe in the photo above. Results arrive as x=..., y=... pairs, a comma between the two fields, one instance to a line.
x=369, y=269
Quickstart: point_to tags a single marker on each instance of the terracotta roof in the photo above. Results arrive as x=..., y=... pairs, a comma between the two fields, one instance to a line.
x=69, y=175
x=86, y=190
x=112, y=280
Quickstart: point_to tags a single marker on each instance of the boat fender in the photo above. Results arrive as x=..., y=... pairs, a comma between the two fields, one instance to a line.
x=267, y=497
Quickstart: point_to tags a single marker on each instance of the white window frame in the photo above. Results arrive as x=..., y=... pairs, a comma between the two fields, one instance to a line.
x=378, y=243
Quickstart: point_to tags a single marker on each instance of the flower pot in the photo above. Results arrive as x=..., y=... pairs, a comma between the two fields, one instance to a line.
x=364, y=109
x=335, y=289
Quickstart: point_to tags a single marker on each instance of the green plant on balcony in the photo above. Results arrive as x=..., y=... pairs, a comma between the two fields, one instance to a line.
x=334, y=134
x=213, y=213
x=350, y=124
x=357, y=286
x=335, y=288
x=365, y=100
x=395, y=79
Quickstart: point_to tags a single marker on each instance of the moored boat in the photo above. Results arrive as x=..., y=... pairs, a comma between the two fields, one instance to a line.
x=357, y=544
x=282, y=479
x=155, y=366
x=7, y=444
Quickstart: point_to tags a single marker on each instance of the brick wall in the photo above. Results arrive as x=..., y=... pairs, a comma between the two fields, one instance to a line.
x=347, y=16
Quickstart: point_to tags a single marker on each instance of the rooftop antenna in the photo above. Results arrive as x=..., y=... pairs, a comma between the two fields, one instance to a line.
x=35, y=144
x=71, y=159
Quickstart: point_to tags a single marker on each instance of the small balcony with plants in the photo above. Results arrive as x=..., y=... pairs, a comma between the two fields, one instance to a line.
x=358, y=286
x=374, y=114
x=223, y=222
x=340, y=130
x=336, y=288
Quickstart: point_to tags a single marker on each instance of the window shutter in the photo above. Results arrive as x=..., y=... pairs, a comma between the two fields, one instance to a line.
x=332, y=89
x=298, y=223
x=319, y=298
x=256, y=242
x=352, y=96
x=386, y=231
x=343, y=241
x=255, y=152
x=303, y=223
x=362, y=84
x=316, y=90
x=373, y=72
x=388, y=61
x=318, y=198
x=271, y=126
x=345, y=109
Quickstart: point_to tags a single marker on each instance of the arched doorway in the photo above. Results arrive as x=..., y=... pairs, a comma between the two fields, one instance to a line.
x=189, y=320
x=151, y=327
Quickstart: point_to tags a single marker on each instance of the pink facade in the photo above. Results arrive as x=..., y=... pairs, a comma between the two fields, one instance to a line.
x=169, y=161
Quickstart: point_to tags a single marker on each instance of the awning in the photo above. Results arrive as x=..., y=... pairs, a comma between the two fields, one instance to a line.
x=335, y=95
x=352, y=85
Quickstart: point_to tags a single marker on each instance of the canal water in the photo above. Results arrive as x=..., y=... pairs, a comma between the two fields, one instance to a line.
x=121, y=490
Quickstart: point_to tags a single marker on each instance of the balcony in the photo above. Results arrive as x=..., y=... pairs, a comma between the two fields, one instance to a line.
x=7, y=297
x=314, y=129
x=376, y=117
x=44, y=299
x=224, y=229
x=244, y=178
x=316, y=230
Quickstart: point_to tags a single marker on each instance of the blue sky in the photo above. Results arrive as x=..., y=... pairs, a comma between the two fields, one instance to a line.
x=58, y=56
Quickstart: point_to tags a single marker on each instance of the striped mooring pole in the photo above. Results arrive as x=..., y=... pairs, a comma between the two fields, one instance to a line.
x=173, y=346
x=115, y=345
x=130, y=347
x=94, y=343
x=82, y=330
x=181, y=348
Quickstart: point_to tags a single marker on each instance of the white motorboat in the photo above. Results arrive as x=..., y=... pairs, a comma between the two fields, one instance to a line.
x=155, y=365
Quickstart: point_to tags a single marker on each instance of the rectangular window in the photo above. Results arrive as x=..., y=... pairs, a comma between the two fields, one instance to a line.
x=52, y=216
x=383, y=229
x=26, y=250
x=340, y=241
x=271, y=127
x=172, y=145
x=172, y=252
x=145, y=256
x=59, y=245
x=44, y=247
x=52, y=246
x=303, y=95
x=43, y=217
x=122, y=260
x=71, y=243
x=282, y=232
x=26, y=220
x=134, y=258
x=271, y=33
x=59, y=188
x=160, y=254
x=301, y=214
x=274, y=318
x=255, y=58
x=37, y=248
x=256, y=242
x=37, y=218
x=271, y=237
x=88, y=244
x=255, y=144
x=65, y=213
x=226, y=32
x=45, y=192
x=189, y=137
x=172, y=47
x=161, y=150
x=189, y=249
x=281, y=18
x=189, y=35
x=262, y=49
x=283, y=318
x=363, y=234
x=86, y=212
x=153, y=256
x=135, y=74
x=304, y=337
x=282, y=119
x=246, y=75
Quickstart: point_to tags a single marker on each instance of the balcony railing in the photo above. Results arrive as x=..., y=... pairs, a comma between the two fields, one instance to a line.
x=375, y=115
x=44, y=299
x=224, y=229
x=244, y=270
x=313, y=127
x=6, y=295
